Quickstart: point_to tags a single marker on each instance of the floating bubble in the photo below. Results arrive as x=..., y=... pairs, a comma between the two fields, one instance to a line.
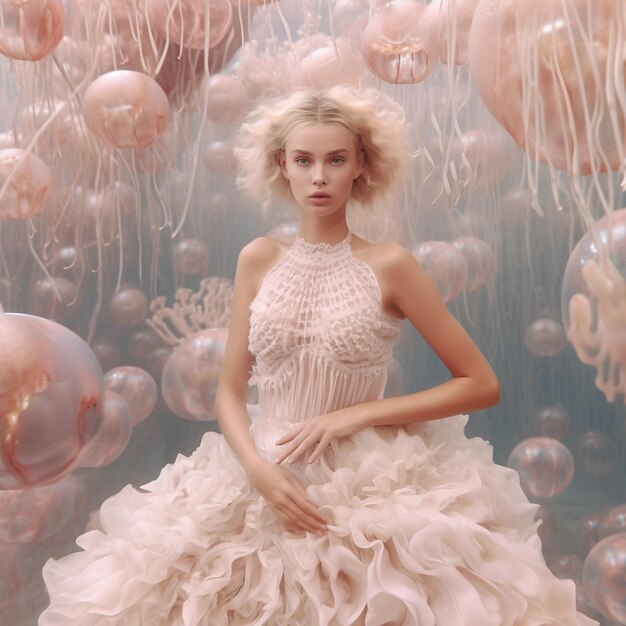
x=545, y=466
x=191, y=257
x=445, y=265
x=613, y=521
x=588, y=530
x=597, y=455
x=545, y=337
x=136, y=386
x=227, y=99
x=479, y=260
x=128, y=307
x=552, y=421
x=54, y=297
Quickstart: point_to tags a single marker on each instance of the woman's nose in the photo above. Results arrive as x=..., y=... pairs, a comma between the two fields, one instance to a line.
x=319, y=175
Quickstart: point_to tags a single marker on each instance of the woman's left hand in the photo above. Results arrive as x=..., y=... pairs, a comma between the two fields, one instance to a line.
x=317, y=433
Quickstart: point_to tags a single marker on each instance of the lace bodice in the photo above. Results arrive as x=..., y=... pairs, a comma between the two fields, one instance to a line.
x=320, y=336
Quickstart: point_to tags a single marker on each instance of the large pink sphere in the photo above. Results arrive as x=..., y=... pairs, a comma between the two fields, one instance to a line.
x=30, y=29
x=191, y=257
x=128, y=306
x=136, y=386
x=190, y=375
x=50, y=395
x=550, y=72
x=126, y=109
x=545, y=466
x=604, y=576
x=26, y=181
x=227, y=99
x=392, y=44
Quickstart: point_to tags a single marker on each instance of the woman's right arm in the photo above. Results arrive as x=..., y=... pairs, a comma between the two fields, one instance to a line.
x=281, y=489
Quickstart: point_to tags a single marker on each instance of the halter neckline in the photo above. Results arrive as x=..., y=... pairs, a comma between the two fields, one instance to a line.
x=306, y=246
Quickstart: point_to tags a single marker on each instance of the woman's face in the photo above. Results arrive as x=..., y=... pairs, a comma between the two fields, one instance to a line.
x=321, y=162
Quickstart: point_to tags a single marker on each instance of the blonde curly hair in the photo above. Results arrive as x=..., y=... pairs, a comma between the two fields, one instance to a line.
x=376, y=120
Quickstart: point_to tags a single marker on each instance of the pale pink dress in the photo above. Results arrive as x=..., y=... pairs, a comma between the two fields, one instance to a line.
x=425, y=529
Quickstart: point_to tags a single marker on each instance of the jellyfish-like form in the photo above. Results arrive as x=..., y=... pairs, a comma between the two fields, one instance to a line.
x=126, y=109
x=604, y=577
x=545, y=466
x=446, y=266
x=545, y=338
x=190, y=375
x=50, y=394
x=552, y=421
x=136, y=386
x=392, y=44
x=552, y=73
x=25, y=182
x=31, y=29
x=593, y=302
x=445, y=27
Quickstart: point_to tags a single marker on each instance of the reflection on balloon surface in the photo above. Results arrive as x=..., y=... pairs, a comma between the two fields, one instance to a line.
x=136, y=386
x=545, y=337
x=545, y=466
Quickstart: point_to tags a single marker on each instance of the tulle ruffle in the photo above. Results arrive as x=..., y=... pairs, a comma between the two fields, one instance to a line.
x=424, y=530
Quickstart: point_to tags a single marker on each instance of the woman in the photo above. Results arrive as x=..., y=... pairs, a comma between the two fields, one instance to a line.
x=334, y=506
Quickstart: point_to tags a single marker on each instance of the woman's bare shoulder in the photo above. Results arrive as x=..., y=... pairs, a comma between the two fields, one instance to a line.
x=384, y=256
x=259, y=256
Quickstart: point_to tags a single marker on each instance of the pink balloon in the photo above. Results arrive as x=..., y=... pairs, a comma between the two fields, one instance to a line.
x=136, y=386
x=191, y=257
x=597, y=455
x=126, y=109
x=30, y=29
x=114, y=434
x=545, y=466
x=604, y=576
x=50, y=394
x=107, y=352
x=613, y=521
x=28, y=515
x=545, y=337
x=25, y=182
x=552, y=421
x=445, y=265
x=219, y=157
x=479, y=260
x=227, y=99
x=392, y=44
x=184, y=22
x=128, y=307
x=191, y=373
x=547, y=70
x=54, y=297
x=331, y=65
x=140, y=344
x=445, y=27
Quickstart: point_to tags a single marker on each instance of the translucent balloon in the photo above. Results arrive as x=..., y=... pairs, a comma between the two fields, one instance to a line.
x=140, y=344
x=191, y=373
x=50, y=394
x=331, y=65
x=588, y=530
x=550, y=72
x=479, y=260
x=545, y=337
x=593, y=302
x=53, y=297
x=25, y=182
x=28, y=515
x=545, y=466
x=552, y=421
x=184, y=22
x=604, y=576
x=597, y=455
x=613, y=521
x=219, y=157
x=392, y=44
x=445, y=27
x=30, y=29
x=191, y=257
x=126, y=109
x=114, y=434
x=128, y=307
x=136, y=386
x=107, y=352
x=445, y=265
x=227, y=99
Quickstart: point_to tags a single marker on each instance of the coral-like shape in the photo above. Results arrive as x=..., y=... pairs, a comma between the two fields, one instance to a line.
x=209, y=307
x=598, y=327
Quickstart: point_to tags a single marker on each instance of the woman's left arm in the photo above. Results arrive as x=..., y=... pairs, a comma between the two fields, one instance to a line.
x=408, y=290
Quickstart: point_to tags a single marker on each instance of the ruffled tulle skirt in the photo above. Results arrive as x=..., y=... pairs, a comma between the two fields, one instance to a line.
x=424, y=530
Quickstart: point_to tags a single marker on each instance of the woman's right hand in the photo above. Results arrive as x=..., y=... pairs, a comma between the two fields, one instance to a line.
x=287, y=497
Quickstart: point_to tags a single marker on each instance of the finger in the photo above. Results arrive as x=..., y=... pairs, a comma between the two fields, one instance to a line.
x=296, y=518
x=306, y=506
x=302, y=448
x=317, y=452
x=288, y=437
x=289, y=450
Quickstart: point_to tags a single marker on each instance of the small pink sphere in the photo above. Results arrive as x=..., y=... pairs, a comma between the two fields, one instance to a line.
x=545, y=338
x=136, y=386
x=227, y=99
x=140, y=344
x=552, y=421
x=107, y=352
x=445, y=265
x=114, y=434
x=545, y=466
x=30, y=29
x=604, y=577
x=49, y=399
x=54, y=297
x=183, y=23
x=588, y=530
x=26, y=181
x=392, y=45
x=191, y=257
x=126, y=109
x=219, y=157
x=613, y=521
x=190, y=375
x=128, y=307
x=479, y=260
x=597, y=454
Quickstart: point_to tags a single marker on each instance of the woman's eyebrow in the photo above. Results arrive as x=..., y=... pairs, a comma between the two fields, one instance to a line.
x=306, y=152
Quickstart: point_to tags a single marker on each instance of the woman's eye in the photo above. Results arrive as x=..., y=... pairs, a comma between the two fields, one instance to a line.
x=336, y=160
x=302, y=161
